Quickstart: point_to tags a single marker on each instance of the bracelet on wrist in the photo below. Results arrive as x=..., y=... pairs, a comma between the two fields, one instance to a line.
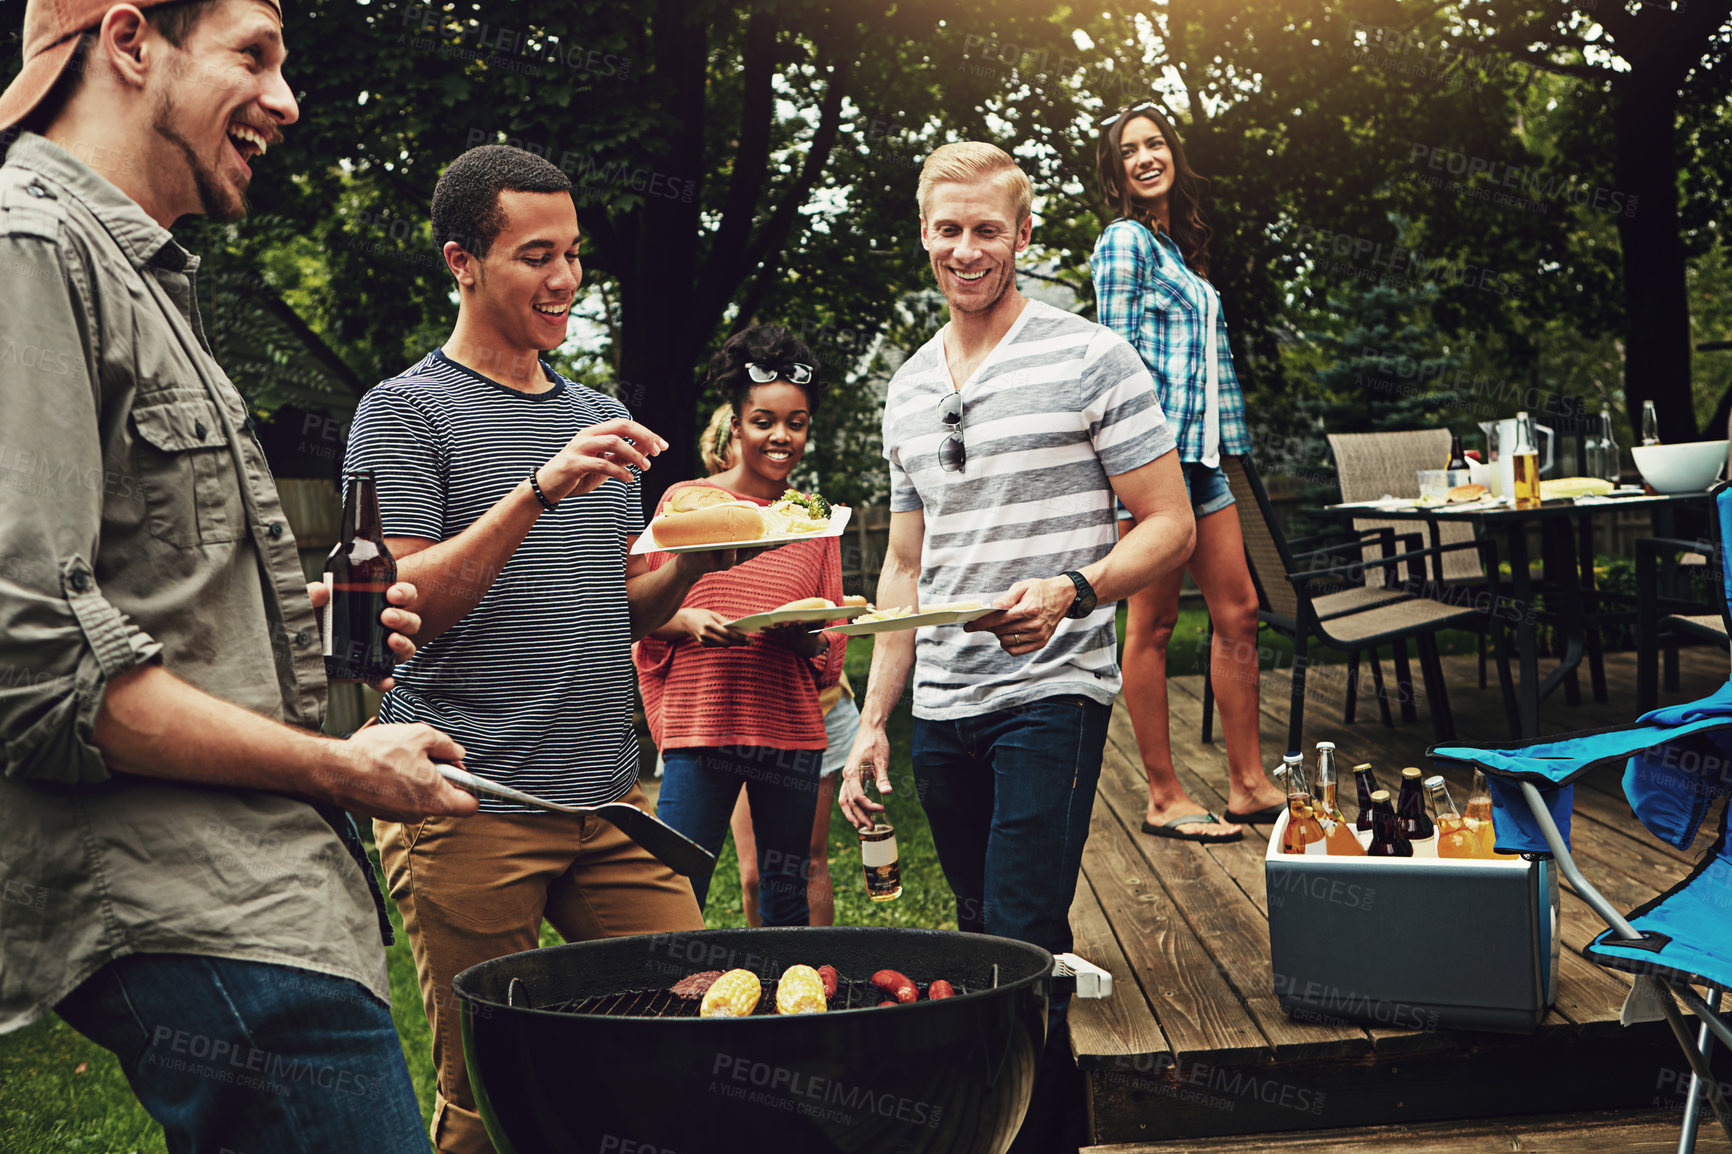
x=535, y=487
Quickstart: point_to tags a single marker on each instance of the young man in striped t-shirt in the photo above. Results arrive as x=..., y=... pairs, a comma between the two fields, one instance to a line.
x=509, y=493
x=1008, y=435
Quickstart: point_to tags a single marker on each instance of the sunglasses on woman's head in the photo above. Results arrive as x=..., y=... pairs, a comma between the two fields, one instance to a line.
x=1127, y=113
x=952, y=454
x=794, y=373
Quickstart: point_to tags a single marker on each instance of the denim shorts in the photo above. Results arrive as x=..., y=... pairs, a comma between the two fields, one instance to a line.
x=1207, y=488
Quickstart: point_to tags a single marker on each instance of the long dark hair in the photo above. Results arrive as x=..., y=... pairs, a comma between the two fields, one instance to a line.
x=1186, y=223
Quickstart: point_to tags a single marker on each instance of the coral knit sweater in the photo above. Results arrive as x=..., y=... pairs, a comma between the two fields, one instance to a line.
x=760, y=694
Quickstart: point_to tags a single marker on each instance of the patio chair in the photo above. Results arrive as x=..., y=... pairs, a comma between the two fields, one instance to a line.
x=1677, y=763
x=1372, y=465
x=1303, y=604
x=1661, y=622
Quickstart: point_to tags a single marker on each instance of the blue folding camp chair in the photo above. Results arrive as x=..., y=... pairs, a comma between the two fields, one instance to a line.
x=1677, y=761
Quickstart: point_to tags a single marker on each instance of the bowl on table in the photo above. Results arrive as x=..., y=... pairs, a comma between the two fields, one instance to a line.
x=1684, y=468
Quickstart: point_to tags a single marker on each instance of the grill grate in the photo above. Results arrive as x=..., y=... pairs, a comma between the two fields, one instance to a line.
x=850, y=995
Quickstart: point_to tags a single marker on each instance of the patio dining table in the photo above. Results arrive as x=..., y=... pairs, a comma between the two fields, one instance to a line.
x=1573, y=577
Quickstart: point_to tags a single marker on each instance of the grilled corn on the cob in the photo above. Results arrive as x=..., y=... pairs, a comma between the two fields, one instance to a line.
x=801, y=991
x=734, y=995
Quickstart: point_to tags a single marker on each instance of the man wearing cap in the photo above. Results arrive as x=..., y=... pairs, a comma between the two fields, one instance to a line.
x=178, y=877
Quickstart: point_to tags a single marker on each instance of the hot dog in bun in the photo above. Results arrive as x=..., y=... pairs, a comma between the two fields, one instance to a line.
x=705, y=515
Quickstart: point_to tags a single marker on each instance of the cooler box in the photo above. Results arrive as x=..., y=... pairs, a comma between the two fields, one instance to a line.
x=1412, y=943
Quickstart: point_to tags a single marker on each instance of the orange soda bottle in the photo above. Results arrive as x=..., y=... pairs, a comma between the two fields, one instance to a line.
x=1479, y=817
x=1304, y=833
x=1339, y=838
x=1454, y=837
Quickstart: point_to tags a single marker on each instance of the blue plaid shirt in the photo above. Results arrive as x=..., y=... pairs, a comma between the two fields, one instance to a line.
x=1144, y=292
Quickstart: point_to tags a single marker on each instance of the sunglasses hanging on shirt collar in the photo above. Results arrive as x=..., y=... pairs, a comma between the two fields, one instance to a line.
x=952, y=454
x=794, y=373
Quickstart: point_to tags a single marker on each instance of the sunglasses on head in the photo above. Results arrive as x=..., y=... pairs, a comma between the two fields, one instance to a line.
x=952, y=454
x=794, y=373
x=1127, y=113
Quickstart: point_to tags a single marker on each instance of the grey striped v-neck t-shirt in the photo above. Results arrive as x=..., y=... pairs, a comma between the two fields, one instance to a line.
x=537, y=680
x=1057, y=408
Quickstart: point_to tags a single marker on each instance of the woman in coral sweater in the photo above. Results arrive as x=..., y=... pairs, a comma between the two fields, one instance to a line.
x=728, y=709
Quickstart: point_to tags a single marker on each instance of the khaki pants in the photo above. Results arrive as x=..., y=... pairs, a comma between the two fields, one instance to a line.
x=475, y=888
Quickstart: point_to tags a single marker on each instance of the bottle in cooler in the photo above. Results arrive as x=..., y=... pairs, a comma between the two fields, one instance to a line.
x=1365, y=783
x=1339, y=838
x=1386, y=837
x=1454, y=837
x=1304, y=833
x=1479, y=816
x=1410, y=810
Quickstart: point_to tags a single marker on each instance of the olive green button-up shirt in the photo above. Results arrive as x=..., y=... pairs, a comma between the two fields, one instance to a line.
x=139, y=523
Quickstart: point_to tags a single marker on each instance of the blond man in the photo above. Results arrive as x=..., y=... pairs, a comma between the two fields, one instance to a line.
x=1008, y=435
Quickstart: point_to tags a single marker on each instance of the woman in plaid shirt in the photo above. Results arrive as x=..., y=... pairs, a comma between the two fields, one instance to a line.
x=1151, y=283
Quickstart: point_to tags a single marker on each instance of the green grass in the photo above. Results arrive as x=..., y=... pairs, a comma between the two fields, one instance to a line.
x=60, y=1094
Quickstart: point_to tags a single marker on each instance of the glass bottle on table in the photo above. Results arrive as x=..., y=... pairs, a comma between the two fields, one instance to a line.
x=1415, y=822
x=1365, y=783
x=1527, y=465
x=1650, y=424
x=1456, y=471
x=1454, y=838
x=1387, y=839
x=1611, y=467
x=1338, y=836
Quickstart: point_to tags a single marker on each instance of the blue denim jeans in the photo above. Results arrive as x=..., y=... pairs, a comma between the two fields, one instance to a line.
x=699, y=788
x=1008, y=795
x=252, y=1057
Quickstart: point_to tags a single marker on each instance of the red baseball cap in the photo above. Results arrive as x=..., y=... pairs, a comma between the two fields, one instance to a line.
x=51, y=31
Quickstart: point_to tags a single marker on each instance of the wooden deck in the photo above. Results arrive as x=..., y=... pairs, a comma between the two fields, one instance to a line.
x=1193, y=1042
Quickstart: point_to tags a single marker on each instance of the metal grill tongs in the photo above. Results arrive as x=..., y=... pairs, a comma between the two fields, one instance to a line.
x=673, y=848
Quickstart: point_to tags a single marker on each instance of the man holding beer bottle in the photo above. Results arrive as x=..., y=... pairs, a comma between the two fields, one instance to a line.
x=1008, y=435
x=181, y=882
x=509, y=496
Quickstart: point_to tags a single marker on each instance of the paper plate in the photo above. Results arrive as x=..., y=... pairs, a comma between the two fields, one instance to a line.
x=839, y=515
x=758, y=621
x=914, y=621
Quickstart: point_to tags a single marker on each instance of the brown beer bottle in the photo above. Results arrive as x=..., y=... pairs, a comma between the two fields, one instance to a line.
x=1387, y=839
x=1415, y=823
x=358, y=572
x=1366, y=785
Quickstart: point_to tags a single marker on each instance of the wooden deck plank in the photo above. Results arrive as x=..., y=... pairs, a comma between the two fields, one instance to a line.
x=1583, y=988
x=1103, y=1031
x=1646, y=1132
x=1198, y=1011
x=1235, y=932
x=1588, y=996
x=1190, y=924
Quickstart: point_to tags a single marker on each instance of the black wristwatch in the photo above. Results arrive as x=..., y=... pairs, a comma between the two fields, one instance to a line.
x=1085, y=596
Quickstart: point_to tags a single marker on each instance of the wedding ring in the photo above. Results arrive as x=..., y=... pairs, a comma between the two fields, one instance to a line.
x=1016, y=639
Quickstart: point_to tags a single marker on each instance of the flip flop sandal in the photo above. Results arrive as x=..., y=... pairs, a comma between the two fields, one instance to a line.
x=1171, y=829
x=1257, y=817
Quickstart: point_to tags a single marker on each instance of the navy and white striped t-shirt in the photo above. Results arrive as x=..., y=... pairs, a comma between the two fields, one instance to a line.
x=537, y=681
x=1059, y=406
